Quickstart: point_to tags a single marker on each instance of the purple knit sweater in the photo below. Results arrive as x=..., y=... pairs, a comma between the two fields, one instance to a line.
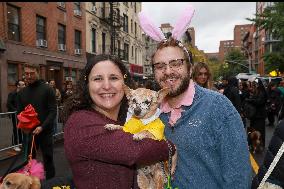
x=106, y=159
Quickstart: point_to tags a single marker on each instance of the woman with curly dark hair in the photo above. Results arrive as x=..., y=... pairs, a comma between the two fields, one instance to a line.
x=101, y=158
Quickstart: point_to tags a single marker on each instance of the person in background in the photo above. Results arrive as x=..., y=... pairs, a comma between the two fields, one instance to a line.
x=69, y=91
x=244, y=93
x=201, y=75
x=12, y=107
x=277, y=175
x=42, y=98
x=100, y=158
x=231, y=91
x=281, y=111
x=58, y=102
x=273, y=102
x=57, y=91
x=258, y=98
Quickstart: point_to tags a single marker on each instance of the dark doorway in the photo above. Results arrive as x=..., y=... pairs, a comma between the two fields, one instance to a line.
x=54, y=71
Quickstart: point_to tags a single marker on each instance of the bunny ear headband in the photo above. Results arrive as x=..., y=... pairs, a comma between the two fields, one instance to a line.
x=179, y=29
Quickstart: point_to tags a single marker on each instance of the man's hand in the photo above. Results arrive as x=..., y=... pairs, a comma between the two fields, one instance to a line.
x=37, y=130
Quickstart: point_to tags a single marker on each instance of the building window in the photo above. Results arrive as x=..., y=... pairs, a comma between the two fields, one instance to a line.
x=40, y=28
x=77, y=6
x=103, y=42
x=77, y=9
x=126, y=51
x=118, y=47
x=66, y=72
x=125, y=23
x=135, y=7
x=61, y=34
x=77, y=39
x=132, y=52
x=93, y=41
x=131, y=26
x=12, y=74
x=73, y=75
x=136, y=56
x=13, y=23
x=135, y=29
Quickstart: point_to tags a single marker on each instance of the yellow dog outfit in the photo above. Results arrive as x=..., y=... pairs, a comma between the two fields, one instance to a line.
x=153, y=124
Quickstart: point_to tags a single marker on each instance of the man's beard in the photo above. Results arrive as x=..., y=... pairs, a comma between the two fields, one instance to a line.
x=182, y=87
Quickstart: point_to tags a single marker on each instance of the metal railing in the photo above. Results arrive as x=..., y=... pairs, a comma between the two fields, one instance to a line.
x=10, y=137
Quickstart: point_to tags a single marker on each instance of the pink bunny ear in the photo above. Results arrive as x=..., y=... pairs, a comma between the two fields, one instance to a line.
x=149, y=27
x=183, y=22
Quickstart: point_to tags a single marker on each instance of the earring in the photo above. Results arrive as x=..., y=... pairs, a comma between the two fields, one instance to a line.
x=85, y=78
x=125, y=76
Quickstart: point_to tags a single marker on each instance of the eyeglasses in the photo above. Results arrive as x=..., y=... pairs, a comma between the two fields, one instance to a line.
x=173, y=64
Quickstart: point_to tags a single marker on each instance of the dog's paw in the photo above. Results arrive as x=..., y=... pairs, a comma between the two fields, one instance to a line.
x=138, y=136
x=112, y=127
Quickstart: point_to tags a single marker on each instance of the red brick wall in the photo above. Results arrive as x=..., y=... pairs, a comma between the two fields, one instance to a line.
x=53, y=15
x=237, y=33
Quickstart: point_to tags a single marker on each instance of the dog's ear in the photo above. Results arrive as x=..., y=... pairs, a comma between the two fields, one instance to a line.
x=162, y=94
x=127, y=91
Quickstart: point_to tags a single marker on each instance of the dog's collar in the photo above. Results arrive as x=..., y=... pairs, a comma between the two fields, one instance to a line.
x=148, y=120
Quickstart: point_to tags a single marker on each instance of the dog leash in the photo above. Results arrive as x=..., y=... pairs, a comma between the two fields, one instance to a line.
x=272, y=166
x=28, y=163
x=27, y=168
x=169, y=176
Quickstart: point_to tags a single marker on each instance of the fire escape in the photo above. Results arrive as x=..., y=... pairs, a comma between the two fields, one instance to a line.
x=115, y=22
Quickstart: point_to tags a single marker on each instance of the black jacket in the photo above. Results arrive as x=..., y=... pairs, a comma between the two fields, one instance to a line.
x=232, y=93
x=259, y=102
x=42, y=98
x=11, y=101
x=277, y=175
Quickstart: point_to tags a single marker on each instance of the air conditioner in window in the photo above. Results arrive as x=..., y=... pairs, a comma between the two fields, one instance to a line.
x=78, y=51
x=78, y=12
x=94, y=9
x=62, y=47
x=41, y=43
x=61, y=4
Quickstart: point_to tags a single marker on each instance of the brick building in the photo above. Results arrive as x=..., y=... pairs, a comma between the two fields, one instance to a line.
x=49, y=34
x=224, y=47
x=239, y=33
x=262, y=41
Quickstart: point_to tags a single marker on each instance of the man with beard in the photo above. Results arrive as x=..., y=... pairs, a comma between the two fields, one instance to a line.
x=42, y=98
x=203, y=124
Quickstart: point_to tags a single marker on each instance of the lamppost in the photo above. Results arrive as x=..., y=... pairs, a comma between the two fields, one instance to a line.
x=249, y=59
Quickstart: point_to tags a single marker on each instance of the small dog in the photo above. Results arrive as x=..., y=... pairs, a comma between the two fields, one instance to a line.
x=143, y=121
x=254, y=139
x=20, y=181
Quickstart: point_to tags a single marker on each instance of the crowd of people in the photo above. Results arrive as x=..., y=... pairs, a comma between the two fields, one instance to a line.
x=205, y=124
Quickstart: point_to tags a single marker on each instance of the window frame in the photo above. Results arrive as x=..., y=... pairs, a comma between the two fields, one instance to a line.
x=78, y=39
x=60, y=38
x=43, y=32
x=16, y=27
